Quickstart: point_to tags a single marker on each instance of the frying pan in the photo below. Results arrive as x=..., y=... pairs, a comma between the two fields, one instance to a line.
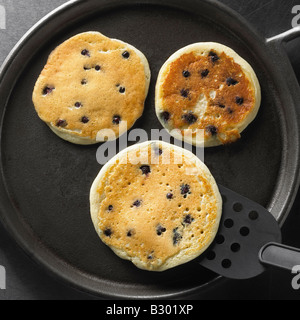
x=45, y=181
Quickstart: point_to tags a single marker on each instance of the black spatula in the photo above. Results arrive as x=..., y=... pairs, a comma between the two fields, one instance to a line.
x=248, y=241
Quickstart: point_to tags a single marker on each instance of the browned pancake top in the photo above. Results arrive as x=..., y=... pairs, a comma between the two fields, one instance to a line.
x=155, y=211
x=89, y=83
x=215, y=77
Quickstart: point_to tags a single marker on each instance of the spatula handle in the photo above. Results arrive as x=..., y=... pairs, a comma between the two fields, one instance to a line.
x=281, y=256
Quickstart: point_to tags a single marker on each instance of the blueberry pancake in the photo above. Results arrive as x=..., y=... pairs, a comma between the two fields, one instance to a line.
x=90, y=83
x=156, y=205
x=207, y=87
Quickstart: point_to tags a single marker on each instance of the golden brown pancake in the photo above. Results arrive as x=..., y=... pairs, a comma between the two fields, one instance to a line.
x=159, y=211
x=90, y=83
x=207, y=86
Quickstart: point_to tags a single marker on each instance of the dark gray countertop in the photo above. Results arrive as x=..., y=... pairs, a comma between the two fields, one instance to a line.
x=27, y=280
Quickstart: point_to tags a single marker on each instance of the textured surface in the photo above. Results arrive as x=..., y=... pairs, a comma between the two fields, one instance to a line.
x=26, y=280
x=207, y=86
x=91, y=83
x=156, y=205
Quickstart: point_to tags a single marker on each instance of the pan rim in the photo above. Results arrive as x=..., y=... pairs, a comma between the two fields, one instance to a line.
x=38, y=252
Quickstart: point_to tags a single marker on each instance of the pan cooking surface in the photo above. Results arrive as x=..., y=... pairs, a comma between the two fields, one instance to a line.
x=48, y=179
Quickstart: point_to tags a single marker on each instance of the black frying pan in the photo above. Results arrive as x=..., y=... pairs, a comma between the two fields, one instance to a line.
x=45, y=181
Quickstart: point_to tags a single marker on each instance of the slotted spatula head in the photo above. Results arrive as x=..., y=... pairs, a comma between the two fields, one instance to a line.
x=244, y=229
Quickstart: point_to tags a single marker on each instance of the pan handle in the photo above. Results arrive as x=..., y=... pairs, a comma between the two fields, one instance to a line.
x=279, y=255
x=285, y=36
